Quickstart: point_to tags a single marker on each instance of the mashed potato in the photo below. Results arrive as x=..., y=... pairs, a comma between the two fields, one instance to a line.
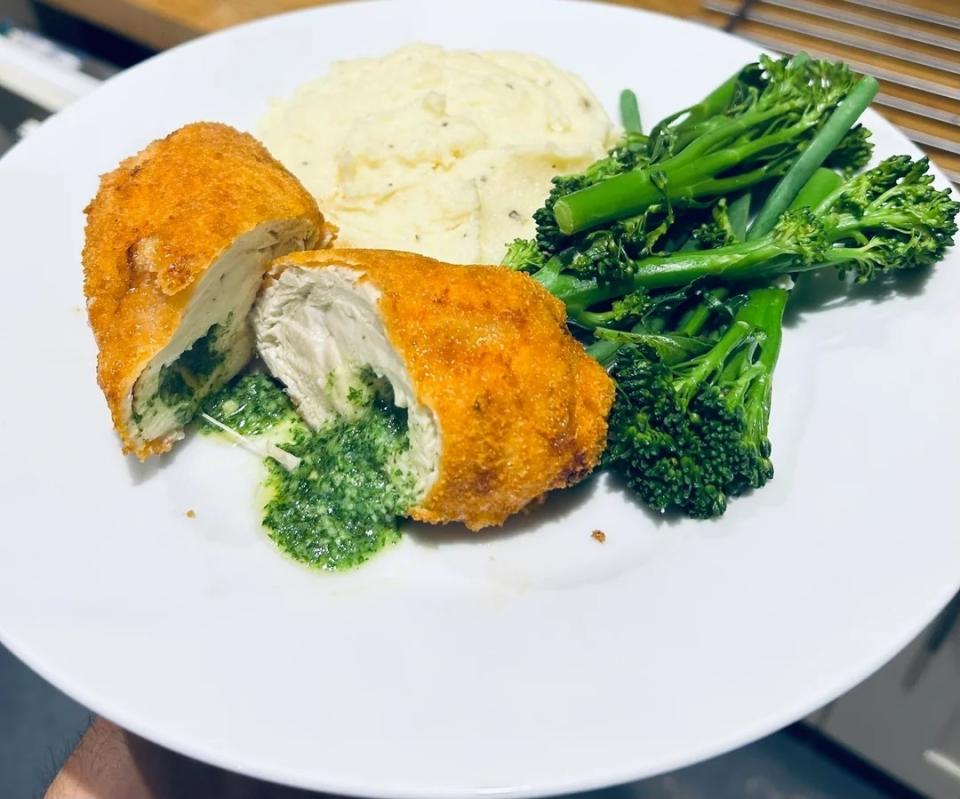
x=444, y=153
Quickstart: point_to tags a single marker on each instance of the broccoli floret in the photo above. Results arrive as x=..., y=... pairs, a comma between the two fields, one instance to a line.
x=889, y=218
x=602, y=254
x=523, y=255
x=689, y=434
x=718, y=232
x=630, y=307
x=549, y=238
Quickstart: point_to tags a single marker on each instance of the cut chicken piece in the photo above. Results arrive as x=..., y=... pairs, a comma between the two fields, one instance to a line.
x=503, y=404
x=177, y=242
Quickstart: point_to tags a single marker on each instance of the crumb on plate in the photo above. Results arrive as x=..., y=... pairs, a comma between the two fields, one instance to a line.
x=598, y=535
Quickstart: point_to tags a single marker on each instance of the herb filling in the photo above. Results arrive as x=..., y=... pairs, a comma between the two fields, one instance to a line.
x=341, y=504
x=252, y=404
x=183, y=383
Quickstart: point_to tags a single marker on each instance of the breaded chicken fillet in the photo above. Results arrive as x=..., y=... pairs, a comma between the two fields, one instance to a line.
x=177, y=242
x=503, y=404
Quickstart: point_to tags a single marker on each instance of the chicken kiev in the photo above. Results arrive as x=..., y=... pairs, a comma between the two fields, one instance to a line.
x=178, y=238
x=503, y=404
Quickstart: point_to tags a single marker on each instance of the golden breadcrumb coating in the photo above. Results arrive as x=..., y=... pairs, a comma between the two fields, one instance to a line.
x=158, y=221
x=521, y=407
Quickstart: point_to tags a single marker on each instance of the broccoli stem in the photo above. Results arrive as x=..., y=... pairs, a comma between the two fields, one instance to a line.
x=714, y=103
x=763, y=309
x=579, y=294
x=689, y=175
x=738, y=212
x=702, y=116
x=704, y=367
x=678, y=344
x=749, y=260
x=694, y=322
x=669, y=348
x=824, y=142
x=603, y=351
x=595, y=319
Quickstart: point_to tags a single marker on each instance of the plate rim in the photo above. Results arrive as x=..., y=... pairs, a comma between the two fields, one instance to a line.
x=769, y=723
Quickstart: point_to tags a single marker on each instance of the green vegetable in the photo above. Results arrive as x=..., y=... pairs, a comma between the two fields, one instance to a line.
x=689, y=424
x=855, y=151
x=630, y=153
x=680, y=128
x=761, y=134
x=635, y=150
x=739, y=214
x=725, y=226
x=713, y=105
x=669, y=288
x=687, y=434
x=821, y=185
x=746, y=107
x=852, y=153
x=630, y=112
x=668, y=348
x=886, y=219
x=524, y=255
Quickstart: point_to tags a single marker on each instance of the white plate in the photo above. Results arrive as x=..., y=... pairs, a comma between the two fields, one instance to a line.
x=527, y=662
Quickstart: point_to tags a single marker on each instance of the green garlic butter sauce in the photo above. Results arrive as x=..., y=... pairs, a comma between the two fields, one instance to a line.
x=341, y=504
x=251, y=404
x=182, y=384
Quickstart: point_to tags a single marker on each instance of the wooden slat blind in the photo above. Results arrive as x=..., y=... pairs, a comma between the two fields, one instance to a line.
x=912, y=46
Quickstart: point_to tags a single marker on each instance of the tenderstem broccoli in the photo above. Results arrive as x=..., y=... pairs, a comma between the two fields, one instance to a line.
x=687, y=434
x=638, y=235
x=682, y=300
x=694, y=376
x=689, y=449
x=759, y=136
x=886, y=219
